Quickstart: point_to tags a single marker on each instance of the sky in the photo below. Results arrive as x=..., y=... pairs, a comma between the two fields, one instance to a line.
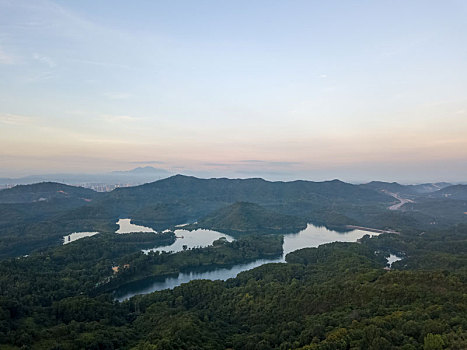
x=354, y=90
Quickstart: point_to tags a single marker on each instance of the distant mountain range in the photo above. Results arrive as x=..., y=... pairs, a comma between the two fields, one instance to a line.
x=135, y=176
x=395, y=187
x=36, y=215
x=147, y=174
x=452, y=192
x=45, y=191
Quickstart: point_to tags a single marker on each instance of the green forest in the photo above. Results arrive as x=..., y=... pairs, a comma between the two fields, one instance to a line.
x=335, y=296
x=233, y=175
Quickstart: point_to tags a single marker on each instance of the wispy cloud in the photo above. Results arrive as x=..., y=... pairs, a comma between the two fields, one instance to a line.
x=256, y=173
x=148, y=162
x=251, y=161
x=14, y=119
x=102, y=63
x=6, y=58
x=44, y=59
x=117, y=95
x=266, y=162
x=218, y=164
x=40, y=76
x=118, y=118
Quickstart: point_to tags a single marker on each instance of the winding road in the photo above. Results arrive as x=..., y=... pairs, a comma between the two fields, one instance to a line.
x=401, y=200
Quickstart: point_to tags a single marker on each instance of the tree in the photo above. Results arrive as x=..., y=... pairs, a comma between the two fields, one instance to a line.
x=433, y=342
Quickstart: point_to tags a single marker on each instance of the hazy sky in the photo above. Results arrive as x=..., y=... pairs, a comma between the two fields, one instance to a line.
x=355, y=90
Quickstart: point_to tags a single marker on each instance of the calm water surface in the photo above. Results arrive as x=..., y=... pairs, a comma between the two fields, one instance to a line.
x=312, y=236
x=392, y=259
x=77, y=235
x=125, y=226
x=192, y=239
x=160, y=283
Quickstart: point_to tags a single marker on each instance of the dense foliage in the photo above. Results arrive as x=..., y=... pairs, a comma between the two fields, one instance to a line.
x=336, y=296
x=221, y=253
x=37, y=216
x=246, y=218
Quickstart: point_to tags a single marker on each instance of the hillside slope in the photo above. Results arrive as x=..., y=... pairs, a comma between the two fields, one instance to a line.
x=45, y=191
x=195, y=198
x=244, y=217
x=451, y=192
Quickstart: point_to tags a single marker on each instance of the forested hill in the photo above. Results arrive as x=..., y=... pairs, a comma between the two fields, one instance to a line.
x=419, y=189
x=39, y=215
x=336, y=296
x=243, y=217
x=388, y=186
x=458, y=192
x=187, y=199
x=45, y=191
x=35, y=216
x=248, y=190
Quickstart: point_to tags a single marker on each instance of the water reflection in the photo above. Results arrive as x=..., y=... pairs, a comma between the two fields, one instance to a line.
x=192, y=239
x=392, y=259
x=312, y=236
x=77, y=235
x=160, y=283
x=125, y=226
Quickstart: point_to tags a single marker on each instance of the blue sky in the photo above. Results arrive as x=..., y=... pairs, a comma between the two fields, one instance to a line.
x=355, y=90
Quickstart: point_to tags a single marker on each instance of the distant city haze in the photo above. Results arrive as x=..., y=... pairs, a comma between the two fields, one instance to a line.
x=282, y=90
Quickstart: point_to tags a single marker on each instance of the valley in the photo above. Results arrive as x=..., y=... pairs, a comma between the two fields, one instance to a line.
x=213, y=254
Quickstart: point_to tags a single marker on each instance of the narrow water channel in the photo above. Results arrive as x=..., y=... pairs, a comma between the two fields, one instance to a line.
x=312, y=236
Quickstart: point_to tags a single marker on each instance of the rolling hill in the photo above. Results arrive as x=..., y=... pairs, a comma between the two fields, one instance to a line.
x=196, y=198
x=245, y=218
x=452, y=192
x=45, y=191
x=44, y=212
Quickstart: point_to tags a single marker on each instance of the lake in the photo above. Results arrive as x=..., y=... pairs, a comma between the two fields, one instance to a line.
x=125, y=226
x=312, y=236
x=192, y=239
x=77, y=235
x=153, y=284
x=392, y=259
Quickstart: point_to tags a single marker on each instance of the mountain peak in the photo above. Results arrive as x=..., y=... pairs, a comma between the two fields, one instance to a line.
x=142, y=170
